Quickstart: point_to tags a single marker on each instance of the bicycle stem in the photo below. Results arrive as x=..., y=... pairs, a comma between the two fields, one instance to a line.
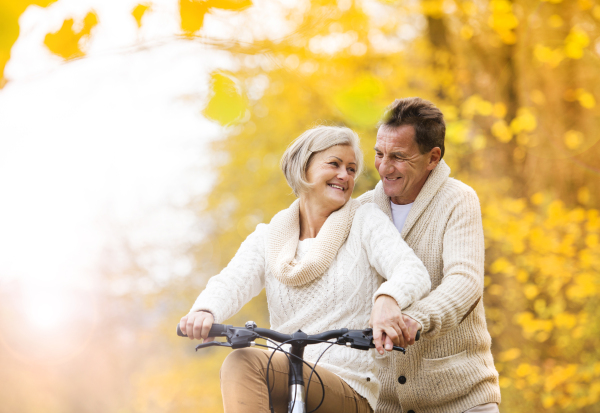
x=296, y=399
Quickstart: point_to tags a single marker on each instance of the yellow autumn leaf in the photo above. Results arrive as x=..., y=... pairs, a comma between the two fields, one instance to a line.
x=192, y=14
x=531, y=291
x=565, y=320
x=575, y=42
x=229, y=4
x=226, y=104
x=10, y=12
x=525, y=121
x=433, y=8
x=586, y=99
x=545, y=54
x=573, y=139
x=510, y=355
x=555, y=21
x=66, y=42
x=139, y=11
x=501, y=131
x=583, y=195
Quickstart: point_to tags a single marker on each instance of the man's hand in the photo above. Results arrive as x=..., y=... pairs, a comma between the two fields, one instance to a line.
x=388, y=324
x=197, y=325
x=413, y=326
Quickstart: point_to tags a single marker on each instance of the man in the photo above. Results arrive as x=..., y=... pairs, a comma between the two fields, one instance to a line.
x=450, y=369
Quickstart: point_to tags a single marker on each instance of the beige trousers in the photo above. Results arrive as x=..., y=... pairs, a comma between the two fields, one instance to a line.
x=244, y=385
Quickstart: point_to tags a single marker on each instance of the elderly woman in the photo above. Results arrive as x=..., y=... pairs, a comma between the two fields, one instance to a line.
x=321, y=262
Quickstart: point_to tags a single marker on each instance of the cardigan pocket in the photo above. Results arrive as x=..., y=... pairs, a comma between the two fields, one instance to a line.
x=448, y=378
x=444, y=362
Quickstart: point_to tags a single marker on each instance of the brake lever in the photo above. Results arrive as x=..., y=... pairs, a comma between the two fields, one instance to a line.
x=211, y=344
x=397, y=348
x=362, y=340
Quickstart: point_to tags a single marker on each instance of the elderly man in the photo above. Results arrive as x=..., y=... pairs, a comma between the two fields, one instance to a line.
x=450, y=369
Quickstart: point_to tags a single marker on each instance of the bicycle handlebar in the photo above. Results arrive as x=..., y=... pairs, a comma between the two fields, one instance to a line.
x=238, y=337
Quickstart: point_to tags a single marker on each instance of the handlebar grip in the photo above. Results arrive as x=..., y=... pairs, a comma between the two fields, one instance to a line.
x=418, y=336
x=217, y=330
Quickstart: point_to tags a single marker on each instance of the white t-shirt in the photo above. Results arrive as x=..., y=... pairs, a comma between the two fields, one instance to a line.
x=399, y=214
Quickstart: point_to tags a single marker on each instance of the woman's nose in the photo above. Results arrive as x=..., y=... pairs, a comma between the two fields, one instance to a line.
x=343, y=174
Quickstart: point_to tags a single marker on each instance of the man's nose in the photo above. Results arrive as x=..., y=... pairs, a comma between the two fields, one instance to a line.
x=386, y=166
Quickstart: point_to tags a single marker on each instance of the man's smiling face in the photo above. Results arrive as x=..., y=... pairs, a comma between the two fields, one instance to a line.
x=401, y=165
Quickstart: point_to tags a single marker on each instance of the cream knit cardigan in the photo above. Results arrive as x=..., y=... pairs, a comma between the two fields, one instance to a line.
x=341, y=297
x=451, y=369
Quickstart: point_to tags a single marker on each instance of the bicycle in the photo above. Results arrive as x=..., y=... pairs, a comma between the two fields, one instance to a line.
x=240, y=337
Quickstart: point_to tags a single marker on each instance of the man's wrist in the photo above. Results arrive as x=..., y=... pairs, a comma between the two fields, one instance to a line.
x=419, y=318
x=416, y=321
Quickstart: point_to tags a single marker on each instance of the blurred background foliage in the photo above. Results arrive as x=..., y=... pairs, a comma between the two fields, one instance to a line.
x=518, y=82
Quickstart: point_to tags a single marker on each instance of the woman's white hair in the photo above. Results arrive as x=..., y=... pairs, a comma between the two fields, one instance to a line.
x=296, y=159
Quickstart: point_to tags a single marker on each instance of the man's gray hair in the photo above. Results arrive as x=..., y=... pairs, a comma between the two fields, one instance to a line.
x=297, y=157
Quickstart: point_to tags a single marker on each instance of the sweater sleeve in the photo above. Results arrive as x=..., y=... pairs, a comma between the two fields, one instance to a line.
x=243, y=278
x=407, y=278
x=462, y=283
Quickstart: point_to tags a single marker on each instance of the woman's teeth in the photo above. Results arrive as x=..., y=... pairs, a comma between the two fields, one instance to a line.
x=336, y=186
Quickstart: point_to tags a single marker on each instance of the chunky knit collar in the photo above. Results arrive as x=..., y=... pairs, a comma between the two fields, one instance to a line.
x=282, y=242
x=434, y=182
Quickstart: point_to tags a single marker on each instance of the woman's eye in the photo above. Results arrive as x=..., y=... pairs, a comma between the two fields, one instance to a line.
x=352, y=170
x=333, y=163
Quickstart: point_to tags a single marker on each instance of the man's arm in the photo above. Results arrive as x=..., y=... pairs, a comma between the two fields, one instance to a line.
x=462, y=284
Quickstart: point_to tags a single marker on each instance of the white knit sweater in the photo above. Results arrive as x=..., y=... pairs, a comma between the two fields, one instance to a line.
x=342, y=297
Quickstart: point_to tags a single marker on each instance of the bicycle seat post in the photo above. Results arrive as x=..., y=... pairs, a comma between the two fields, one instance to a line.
x=296, y=399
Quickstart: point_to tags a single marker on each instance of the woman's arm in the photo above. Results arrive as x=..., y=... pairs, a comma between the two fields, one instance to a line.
x=243, y=278
x=407, y=278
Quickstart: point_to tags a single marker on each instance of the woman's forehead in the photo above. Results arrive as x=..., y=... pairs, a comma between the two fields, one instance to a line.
x=345, y=151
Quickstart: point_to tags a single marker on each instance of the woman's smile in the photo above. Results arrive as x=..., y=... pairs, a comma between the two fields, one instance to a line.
x=337, y=187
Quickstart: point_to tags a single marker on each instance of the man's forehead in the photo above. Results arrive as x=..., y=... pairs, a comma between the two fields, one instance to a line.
x=396, y=130
x=402, y=137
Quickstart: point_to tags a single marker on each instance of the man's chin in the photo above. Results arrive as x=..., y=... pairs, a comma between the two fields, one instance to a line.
x=390, y=190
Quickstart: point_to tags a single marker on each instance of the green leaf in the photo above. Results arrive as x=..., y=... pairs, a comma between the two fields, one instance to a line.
x=361, y=103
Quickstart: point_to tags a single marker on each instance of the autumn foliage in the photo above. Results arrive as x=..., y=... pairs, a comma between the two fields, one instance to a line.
x=518, y=82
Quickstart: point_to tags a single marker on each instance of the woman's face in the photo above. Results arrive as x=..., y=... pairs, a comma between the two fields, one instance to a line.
x=332, y=174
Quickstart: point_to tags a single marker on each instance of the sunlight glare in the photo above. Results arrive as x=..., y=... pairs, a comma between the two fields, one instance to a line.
x=46, y=309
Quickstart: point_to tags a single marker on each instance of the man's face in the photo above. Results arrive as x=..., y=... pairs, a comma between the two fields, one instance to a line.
x=402, y=167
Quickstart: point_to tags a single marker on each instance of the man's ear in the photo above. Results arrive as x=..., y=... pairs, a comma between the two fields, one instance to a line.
x=435, y=155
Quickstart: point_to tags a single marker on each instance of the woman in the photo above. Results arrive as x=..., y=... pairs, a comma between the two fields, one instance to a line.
x=321, y=262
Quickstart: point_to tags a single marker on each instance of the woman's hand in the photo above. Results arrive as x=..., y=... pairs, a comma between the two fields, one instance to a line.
x=388, y=325
x=197, y=325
